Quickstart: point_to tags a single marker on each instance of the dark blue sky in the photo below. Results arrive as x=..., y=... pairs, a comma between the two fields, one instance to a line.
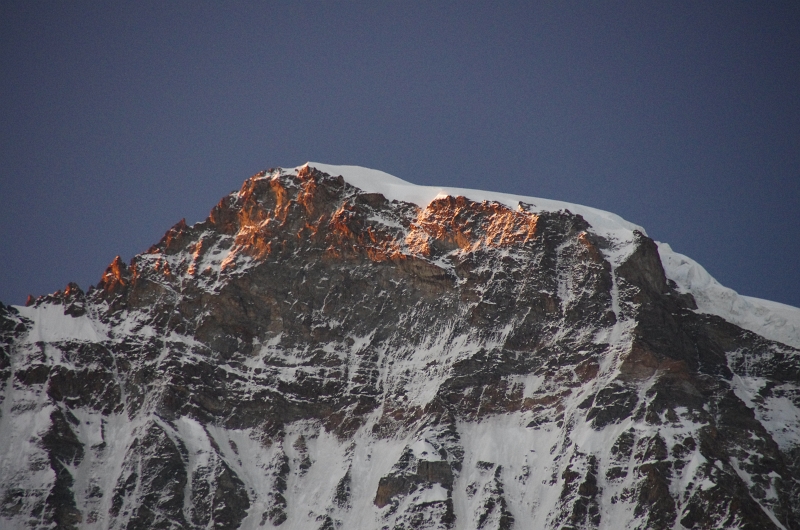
x=117, y=119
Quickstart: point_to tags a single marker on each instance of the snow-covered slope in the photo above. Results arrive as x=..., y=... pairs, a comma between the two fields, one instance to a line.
x=772, y=320
x=337, y=348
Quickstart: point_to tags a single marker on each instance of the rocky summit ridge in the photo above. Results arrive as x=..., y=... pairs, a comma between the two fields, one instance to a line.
x=336, y=348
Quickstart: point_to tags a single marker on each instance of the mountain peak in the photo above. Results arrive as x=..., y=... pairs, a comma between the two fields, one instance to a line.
x=336, y=347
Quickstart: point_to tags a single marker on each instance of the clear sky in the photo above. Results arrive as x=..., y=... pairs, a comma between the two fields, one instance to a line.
x=117, y=119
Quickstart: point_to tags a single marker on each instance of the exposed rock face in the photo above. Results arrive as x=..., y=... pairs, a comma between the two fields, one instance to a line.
x=316, y=356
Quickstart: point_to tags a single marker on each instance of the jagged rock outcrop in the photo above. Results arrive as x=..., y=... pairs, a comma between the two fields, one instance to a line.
x=316, y=355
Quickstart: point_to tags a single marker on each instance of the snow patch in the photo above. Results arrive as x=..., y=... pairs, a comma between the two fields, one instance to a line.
x=50, y=324
x=777, y=413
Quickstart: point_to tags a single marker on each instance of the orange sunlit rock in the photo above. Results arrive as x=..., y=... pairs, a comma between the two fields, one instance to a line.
x=114, y=277
x=267, y=208
x=460, y=223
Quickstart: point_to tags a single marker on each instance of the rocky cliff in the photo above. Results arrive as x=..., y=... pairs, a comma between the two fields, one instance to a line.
x=355, y=352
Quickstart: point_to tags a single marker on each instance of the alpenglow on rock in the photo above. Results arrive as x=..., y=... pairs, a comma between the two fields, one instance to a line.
x=336, y=348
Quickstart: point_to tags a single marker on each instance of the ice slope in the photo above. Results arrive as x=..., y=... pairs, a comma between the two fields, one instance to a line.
x=769, y=319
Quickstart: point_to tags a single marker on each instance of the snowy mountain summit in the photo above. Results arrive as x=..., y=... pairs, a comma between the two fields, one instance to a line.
x=335, y=348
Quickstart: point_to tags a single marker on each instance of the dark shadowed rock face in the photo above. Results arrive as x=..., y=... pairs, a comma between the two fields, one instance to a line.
x=315, y=356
